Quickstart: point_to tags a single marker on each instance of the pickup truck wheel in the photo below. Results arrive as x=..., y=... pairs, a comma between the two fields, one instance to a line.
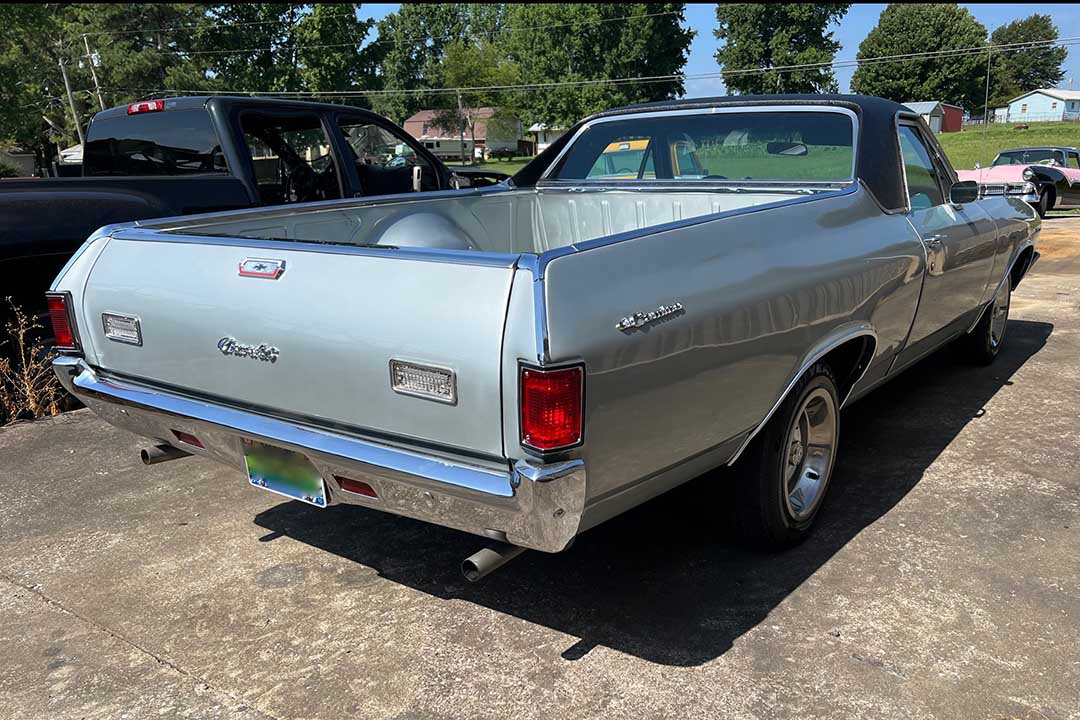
x=982, y=344
x=785, y=471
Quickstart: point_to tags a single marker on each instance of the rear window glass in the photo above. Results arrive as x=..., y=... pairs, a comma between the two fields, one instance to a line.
x=168, y=142
x=780, y=146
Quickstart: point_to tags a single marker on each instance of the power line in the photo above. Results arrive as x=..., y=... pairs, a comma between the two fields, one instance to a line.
x=195, y=26
x=928, y=55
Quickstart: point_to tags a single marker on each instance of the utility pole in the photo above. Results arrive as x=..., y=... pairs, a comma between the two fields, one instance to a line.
x=71, y=102
x=461, y=126
x=986, y=98
x=93, y=72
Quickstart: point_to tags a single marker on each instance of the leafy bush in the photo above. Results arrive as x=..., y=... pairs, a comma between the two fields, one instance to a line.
x=28, y=387
x=8, y=171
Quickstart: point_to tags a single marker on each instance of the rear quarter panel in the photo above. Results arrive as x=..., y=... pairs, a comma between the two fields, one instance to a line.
x=760, y=290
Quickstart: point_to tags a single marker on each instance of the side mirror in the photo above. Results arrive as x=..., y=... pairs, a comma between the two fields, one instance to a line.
x=964, y=191
x=978, y=166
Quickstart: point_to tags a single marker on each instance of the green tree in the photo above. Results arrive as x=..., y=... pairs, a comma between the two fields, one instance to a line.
x=34, y=111
x=1016, y=71
x=586, y=42
x=340, y=63
x=903, y=29
x=758, y=37
x=141, y=48
x=411, y=44
x=476, y=69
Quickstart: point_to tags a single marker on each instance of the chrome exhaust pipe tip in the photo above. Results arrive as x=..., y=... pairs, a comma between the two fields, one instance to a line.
x=487, y=560
x=161, y=453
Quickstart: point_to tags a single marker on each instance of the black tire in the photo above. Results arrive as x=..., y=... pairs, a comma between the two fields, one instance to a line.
x=983, y=343
x=763, y=513
x=1044, y=204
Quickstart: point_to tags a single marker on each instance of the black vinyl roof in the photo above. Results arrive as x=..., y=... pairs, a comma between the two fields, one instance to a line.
x=878, y=152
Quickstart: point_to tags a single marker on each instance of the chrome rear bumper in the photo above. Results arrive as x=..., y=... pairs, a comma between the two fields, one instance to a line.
x=531, y=505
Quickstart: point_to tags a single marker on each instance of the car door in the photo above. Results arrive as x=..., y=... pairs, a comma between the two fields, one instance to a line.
x=960, y=243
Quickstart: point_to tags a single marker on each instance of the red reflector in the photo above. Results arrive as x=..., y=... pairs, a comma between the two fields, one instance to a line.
x=187, y=439
x=61, y=322
x=551, y=407
x=146, y=106
x=356, y=486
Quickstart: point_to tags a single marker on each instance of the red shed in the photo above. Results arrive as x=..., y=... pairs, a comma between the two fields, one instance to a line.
x=952, y=119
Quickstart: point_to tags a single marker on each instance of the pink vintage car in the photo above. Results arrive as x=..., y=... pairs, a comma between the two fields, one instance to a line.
x=1053, y=171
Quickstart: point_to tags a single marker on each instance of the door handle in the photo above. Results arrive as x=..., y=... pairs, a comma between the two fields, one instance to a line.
x=934, y=248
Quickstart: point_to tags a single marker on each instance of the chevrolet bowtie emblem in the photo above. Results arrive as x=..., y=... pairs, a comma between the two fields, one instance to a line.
x=262, y=268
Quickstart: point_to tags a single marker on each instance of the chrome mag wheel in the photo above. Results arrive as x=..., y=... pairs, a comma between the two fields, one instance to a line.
x=809, y=453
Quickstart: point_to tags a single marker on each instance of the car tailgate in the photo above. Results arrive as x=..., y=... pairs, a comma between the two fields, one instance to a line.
x=336, y=318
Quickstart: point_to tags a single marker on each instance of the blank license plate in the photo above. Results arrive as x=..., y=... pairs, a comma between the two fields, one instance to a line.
x=284, y=472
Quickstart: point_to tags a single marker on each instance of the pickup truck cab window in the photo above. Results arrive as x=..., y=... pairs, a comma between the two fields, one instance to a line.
x=765, y=146
x=385, y=163
x=166, y=142
x=292, y=158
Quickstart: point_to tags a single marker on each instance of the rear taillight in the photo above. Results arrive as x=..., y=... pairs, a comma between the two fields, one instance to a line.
x=146, y=106
x=551, y=407
x=62, y=325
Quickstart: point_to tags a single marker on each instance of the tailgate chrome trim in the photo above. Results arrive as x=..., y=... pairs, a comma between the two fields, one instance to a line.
x=531, y=504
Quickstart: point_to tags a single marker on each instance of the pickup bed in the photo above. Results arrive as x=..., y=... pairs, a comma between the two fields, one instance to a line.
x=668, y=289
x=188, y=155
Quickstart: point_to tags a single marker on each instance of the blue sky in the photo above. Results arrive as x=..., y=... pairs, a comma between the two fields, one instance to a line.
x=859, y=21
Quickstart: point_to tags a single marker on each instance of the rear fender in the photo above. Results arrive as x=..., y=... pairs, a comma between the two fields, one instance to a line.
x=833, y=340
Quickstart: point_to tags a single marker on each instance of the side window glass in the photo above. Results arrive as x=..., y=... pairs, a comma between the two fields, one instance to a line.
x=381, y=157
x=923, y=188
x=1074, y=161
x=292, y=159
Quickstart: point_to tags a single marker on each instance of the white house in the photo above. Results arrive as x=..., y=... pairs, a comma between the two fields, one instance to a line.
x=1045, y=104
x=545, y=135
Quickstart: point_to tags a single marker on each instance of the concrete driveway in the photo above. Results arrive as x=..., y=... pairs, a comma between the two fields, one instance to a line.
x=943, y=581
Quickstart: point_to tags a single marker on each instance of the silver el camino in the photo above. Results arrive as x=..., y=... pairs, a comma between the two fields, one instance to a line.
x=667, y=289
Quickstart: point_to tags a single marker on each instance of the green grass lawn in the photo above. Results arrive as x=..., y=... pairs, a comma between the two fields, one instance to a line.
x=509, y=167
x=975, y=144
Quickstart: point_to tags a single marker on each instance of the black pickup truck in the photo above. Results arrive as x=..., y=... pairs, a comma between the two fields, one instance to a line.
x=186, y=155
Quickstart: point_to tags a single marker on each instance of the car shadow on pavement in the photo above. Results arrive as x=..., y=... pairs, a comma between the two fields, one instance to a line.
x=668, y=582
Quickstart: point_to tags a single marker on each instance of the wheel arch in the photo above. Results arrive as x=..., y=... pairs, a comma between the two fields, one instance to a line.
x=848, y=350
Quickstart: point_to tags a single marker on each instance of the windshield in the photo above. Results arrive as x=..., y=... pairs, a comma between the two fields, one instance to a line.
x=742, y=145
x=1030, y=157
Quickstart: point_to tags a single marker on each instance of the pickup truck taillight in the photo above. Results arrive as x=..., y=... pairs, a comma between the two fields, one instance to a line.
x=551, y=412
x=63, y=325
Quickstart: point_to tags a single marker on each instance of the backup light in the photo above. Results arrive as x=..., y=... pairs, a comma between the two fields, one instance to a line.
x=121, y=328
x=62, y=324
x=146, y=106
x=423, y=381
x=551, y=417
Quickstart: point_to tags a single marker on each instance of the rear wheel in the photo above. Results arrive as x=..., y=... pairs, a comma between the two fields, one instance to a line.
x=982, y=344
x=785, y=472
